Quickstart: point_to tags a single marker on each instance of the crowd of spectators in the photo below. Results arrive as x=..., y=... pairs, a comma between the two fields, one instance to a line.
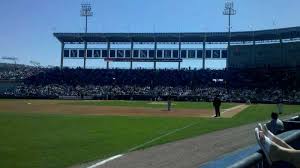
x=201, y=94
x=256, y=85
x=17, y=72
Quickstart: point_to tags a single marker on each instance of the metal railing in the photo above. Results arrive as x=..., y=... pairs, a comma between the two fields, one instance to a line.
x=257, y=160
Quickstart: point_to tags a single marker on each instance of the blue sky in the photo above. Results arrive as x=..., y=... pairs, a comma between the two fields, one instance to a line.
x=27, y=26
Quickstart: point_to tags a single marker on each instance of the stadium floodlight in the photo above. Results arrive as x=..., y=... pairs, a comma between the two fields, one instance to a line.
x=229, y=11
x=14, y=59
x=229, y=8
x=86, y=11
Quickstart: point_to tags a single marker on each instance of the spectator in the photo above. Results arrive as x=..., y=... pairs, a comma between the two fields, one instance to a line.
x=275, y=125
x=276, y=149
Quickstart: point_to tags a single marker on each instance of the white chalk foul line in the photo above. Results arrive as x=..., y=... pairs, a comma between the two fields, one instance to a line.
x=164, y=135
x=232, y=108
x=105, y=161
x=139, y=146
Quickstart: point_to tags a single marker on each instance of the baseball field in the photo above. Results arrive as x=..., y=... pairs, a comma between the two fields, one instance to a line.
x=61, y=133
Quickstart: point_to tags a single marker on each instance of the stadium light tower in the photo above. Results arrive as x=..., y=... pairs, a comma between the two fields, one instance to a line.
x=14, y=59
x=86, y=11
x=229, y=11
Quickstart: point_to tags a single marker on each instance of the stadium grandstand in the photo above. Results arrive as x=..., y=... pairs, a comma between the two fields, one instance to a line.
x=180, y=117
x=234, y=85
x=259, y=60
x=250, y=49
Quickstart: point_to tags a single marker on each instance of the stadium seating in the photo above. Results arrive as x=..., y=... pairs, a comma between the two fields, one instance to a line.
x=237, y=85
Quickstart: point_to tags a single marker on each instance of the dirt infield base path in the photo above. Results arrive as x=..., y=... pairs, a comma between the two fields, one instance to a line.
x=189, y=153
x=56, y=107
x=228, y=113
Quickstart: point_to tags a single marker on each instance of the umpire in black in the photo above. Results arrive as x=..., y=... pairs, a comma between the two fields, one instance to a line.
x=217, y=105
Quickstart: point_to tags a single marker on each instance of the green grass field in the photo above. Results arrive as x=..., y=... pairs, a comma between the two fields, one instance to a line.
x=57, y=140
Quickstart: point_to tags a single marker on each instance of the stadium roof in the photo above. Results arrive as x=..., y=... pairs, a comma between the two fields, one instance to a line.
x=260, y=35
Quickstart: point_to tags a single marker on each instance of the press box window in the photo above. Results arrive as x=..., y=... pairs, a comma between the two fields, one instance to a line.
x=208, y=53
x=216, y=53
x=104, y=53
x=127, y=53
x=159, y=53
x=175, y=53
x=73, y=53
x=183, y=53
x=89, y=53
x=143, y=54
x=97, y=53
x=112, y=53
x=81, y=53
x=120, y=53
x=191, y=53
x=167, y=54
x=224, y=53
x=199, y=54
x=151, y=53
x=135, y=53
x=66, y=53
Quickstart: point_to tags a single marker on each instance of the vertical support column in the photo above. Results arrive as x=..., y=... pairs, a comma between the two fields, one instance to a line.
x=131, y=53
x=179, y=53
x=229, y=39
x=283, y=58
x=298, y=74
x=254, y=52
x=85, y=54
x=62, y=55
x=108, y=54
x=155, y=54
x=253, y=49
x=204, y=53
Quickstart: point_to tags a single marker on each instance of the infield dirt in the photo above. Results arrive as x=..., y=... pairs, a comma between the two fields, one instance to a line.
x=56, y=107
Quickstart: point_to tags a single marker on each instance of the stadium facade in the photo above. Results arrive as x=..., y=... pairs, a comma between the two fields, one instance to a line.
x=248, y=49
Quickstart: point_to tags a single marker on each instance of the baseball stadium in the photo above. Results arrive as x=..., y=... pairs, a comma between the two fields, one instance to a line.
x=148, y=117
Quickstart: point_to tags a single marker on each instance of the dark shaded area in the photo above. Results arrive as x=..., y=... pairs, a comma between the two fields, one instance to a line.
x=234, y=78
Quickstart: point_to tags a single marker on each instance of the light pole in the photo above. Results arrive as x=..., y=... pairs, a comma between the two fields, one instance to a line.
x=86, y=11
x=229, y=11
x=14, y=59
x=253, y=45
x=203, y=47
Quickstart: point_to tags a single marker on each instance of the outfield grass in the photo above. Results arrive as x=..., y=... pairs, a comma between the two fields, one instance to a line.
x=54, y=141
x=148, y=104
